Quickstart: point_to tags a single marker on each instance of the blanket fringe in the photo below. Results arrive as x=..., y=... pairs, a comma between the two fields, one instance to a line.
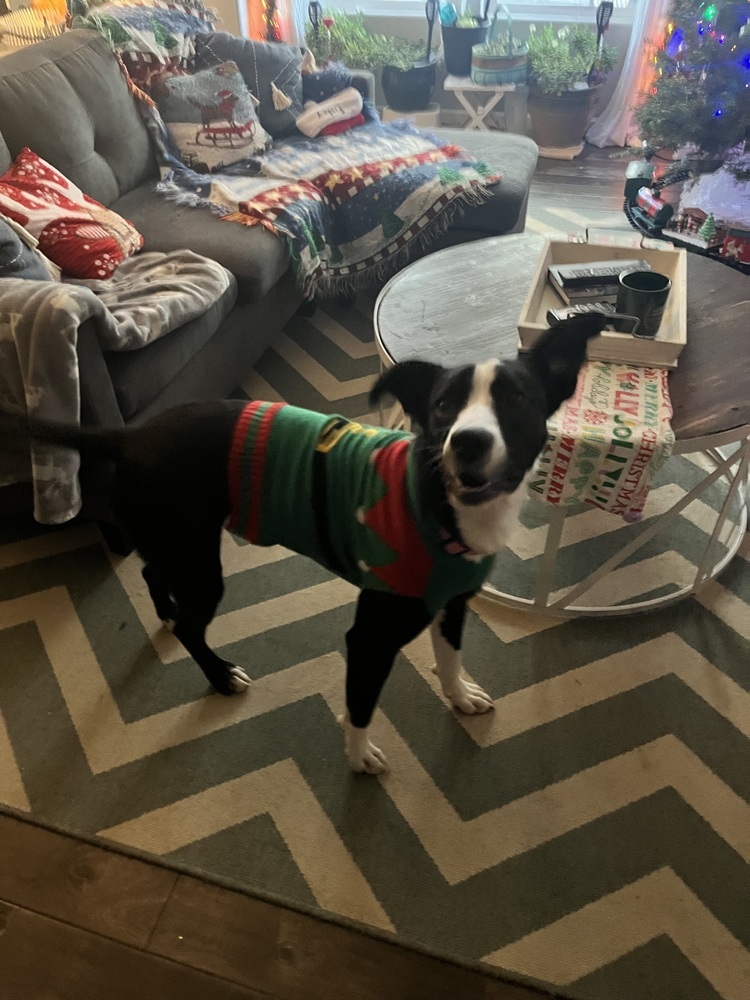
x=173, y=192
x=249, y=220
x=330, y=285
x=133, y=87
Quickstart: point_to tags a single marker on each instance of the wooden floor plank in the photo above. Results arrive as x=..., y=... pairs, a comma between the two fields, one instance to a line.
x=44, y=959
x=80, y=884
x=296, y=957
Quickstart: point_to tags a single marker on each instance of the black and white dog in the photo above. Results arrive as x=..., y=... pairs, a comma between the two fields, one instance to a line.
x=412, y=520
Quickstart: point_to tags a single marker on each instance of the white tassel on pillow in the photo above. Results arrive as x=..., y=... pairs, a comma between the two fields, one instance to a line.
x=280, y=101
x=308, y=64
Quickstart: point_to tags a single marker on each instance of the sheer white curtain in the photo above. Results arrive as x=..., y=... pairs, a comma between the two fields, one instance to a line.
x=615, y=126
x=293, y=18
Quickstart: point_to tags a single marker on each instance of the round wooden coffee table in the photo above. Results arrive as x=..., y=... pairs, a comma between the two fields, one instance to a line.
x=461, y=305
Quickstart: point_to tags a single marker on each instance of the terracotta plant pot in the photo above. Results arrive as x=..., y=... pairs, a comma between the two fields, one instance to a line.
x=408, y=89
x=560, y=120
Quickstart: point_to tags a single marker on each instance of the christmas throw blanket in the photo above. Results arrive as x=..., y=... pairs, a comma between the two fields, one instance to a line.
x=351, y=207
x=606, y=442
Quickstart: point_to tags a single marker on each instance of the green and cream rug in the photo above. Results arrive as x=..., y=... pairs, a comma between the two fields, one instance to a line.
x=591, y=834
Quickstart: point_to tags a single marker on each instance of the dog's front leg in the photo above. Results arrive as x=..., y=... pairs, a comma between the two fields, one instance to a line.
x=446, y=632
x=382, y=625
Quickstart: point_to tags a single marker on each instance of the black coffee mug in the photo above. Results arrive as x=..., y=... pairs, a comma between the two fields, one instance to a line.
x=643, y=294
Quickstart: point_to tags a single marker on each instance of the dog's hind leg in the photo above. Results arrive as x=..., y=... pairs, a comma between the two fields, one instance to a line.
x=446, y=632
x=158, y=588
x=383, y=624
x=197, y=585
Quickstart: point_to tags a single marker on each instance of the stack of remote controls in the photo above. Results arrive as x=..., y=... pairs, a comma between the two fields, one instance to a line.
x=591, y=282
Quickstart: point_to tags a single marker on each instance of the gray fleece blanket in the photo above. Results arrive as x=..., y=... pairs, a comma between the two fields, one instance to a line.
x=147, y=297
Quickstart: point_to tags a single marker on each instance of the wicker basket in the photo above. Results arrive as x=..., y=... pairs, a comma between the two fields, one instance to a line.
x=499, y=70
x=28, y=25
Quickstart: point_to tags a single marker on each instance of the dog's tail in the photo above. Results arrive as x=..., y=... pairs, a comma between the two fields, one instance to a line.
x=17, y=432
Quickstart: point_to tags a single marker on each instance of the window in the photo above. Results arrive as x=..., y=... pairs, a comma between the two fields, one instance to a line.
x=522, y=10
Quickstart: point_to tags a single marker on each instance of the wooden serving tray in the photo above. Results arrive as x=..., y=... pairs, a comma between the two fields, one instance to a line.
x=661, y=351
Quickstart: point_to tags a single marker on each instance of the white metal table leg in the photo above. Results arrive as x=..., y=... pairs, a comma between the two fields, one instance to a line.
x=736, y=486
x=709, y=568
x=644, y=536
x=549, y=558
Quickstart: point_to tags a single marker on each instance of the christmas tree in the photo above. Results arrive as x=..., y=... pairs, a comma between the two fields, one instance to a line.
x=700, y=100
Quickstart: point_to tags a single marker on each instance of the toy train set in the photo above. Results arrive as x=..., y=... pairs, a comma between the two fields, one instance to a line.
x=647, y=211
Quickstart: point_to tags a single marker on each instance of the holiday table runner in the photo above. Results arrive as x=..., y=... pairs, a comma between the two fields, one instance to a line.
x=606, y=442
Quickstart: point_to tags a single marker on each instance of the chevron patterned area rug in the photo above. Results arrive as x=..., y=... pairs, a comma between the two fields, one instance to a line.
x=591, y=835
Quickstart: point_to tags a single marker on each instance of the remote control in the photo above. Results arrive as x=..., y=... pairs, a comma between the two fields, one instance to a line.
x=597, y=272
x=617, y=321
x=555, y=315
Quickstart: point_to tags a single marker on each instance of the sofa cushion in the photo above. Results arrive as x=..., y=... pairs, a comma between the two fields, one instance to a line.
x=67, y=99
x=211, y=117
x=514, y=157
x=261, y=64
x=139, y=376
x=81, y=236
x=249, y=252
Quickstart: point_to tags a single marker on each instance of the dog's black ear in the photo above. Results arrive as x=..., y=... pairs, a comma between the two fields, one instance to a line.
x=411, y=383
x=559, y=353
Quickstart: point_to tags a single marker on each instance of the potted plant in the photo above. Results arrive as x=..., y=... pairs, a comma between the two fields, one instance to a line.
x=561, y=98
x=409, y=87
x=407, y=78
x=502, y=58
x=460, y=35
x=345, y=41
x=408, y=83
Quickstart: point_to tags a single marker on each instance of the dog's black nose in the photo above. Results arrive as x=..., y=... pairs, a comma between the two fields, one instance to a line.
x=471, y=443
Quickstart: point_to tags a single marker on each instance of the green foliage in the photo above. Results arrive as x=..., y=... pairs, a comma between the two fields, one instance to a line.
x=560, y=58
x=358, y=48
x=702, y=98
x=499, y=46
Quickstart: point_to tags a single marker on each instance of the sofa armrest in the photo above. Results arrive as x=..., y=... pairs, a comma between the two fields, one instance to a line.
x=98, y=403
x=99, y=407
x=364, y=81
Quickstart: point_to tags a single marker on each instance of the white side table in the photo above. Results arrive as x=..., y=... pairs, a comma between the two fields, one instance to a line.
x=479, y=102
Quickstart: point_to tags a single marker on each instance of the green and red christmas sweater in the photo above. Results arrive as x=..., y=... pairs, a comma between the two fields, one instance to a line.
x=345, y=495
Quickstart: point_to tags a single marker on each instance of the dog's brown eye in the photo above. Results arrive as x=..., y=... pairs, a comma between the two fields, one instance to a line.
x=443, y=408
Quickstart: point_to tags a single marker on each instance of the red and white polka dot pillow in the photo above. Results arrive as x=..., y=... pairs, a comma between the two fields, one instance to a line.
x=85, y=239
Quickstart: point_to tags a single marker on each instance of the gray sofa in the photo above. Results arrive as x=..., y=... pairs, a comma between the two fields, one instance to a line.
x=67, y=99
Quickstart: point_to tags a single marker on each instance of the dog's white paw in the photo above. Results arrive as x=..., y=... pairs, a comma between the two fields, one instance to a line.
x=367, y=758
x=364, y=756
x=469, y=698
x=239, y=681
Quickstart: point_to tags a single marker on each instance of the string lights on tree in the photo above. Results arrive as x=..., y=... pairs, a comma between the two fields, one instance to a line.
x=700, y=98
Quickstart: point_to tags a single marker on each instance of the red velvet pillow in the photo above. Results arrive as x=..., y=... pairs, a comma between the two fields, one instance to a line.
x=81, y=236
